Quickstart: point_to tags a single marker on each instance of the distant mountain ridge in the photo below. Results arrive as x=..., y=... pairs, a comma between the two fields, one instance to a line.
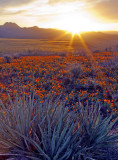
x=10, y=25
x=86, y=42
x=12, y=30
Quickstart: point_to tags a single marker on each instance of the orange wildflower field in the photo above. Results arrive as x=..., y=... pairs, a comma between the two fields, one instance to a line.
x=76, y=78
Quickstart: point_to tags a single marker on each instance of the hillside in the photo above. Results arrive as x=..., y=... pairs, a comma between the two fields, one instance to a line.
x=12, y=30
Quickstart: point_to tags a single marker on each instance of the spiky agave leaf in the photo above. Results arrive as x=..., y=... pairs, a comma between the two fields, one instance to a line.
x=97, y=132
x=52, y=136
x=56, y=132
x=19, y=117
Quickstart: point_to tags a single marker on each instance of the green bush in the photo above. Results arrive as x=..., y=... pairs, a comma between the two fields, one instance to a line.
x=47, y=131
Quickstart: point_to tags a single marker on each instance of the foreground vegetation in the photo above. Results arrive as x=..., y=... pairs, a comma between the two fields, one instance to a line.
x=78, y=120
x=85, y=78
x=33, y=130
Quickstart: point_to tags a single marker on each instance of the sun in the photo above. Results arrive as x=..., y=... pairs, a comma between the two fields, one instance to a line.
x=77, y=23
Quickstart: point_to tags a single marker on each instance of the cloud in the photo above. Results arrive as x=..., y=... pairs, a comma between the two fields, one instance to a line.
x=107, y=10
x=9, y=13
x=14, y=7
x=48, y=11
x=67, y=1
x=8, y=3
x=60, y=1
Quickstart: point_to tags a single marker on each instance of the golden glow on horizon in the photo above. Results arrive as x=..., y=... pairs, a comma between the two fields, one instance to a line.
x=74, y=17
x=77, y=23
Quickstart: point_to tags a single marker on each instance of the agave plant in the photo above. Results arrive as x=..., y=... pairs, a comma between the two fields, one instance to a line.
x=15, y=120
x=52, y=134
x=37, y=131
x=98, y=139
x=47, y=131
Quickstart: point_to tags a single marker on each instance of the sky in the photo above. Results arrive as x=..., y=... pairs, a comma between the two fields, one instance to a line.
x=70, y=15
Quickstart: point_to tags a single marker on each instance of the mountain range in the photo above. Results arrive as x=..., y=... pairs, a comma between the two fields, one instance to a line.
x=85, y=41
x=92, y=39
x=12, y=30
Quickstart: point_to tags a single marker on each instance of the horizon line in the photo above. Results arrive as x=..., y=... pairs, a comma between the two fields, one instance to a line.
x=57, y=28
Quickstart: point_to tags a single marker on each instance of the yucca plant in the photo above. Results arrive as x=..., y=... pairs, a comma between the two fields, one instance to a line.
x=15, y=120
x=56, y=133
x=98, y=138
x=45, y=131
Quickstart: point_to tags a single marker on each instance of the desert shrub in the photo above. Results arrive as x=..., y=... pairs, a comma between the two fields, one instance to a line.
x=110, y=63
x=7, y=59
x=75, y=70
x=98, y=138
x=38, y=131
x=96, y=51
x=34, y=130
x=92, y=72
x=16, y=120
x=91, y=85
